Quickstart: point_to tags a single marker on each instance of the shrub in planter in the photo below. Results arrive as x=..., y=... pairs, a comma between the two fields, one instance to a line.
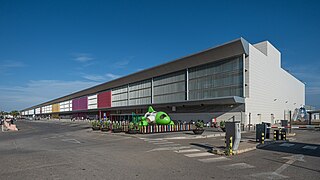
x=95, y=125
x=116, y=127
x=133, y=128
x=105, y=126
x=223, y=126
x=199, y=127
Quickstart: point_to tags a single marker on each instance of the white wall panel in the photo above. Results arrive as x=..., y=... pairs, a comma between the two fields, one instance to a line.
x=31, y=112
x=65, y=106
x=272, y=90
x=47, y=109
x=92, y=102
x=38, y=111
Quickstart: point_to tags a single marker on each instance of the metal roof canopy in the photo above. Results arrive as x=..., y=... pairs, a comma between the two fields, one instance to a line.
x=231, y=100
x=228, y=50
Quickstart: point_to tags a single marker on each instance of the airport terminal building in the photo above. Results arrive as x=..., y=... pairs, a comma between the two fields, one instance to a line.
x=236, y=79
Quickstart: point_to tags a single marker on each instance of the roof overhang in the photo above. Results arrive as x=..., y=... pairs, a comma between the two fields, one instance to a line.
x=231, y=100
x=230, y=49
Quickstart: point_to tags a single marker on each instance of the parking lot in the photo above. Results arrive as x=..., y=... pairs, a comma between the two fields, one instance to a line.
x=71, y=150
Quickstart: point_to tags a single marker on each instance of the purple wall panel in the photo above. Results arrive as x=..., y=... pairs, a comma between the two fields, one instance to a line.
x=74, y=104
x=83, y=103
x=80, y=104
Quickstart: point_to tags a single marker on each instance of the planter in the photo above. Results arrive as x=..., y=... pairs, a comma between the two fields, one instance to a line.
x=133, y=131
x=223, y=129
x=116, y=130
x=95, y=128
x=105, y=129
x=198, y=131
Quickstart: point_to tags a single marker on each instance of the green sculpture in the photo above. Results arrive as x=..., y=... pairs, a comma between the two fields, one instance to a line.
x=159, y=118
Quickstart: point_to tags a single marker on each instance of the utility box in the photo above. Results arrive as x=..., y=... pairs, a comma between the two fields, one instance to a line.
x=267, y=134
x=260, y=128
x=233, y=130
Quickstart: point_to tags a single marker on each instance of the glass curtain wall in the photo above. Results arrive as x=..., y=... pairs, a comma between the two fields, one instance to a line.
x=140, y=93
x=120, y=96
x=218, y=79
x=169, y=88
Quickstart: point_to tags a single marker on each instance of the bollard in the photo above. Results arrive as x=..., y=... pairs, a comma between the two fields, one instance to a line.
x=225, y=141
x=262, y=138
x=230, y=146
x=283, y=135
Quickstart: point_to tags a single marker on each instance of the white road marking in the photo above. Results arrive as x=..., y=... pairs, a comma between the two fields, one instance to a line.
x=237, y=166
x=277, y=173
x=187, y=150
x=286, y=145
x=199, y=154
x=292, y=159
x=169, y=148
x=71, y=141
x=155, y=140
x=268, y=175
x=159, y=143
x=169, y=145
x=310, y=147
x=216, y=159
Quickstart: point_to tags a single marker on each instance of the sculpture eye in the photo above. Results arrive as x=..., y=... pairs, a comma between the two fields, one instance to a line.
x=162, y=116
x=148, y=115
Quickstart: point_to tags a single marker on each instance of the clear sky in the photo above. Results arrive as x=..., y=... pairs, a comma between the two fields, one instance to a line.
x=50, y=48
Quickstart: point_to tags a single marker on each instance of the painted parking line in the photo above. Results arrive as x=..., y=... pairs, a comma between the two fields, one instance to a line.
x=237, y=166
x=160, y=143
x=187, y=150
x=154, y=140
x=199, y=154
x=216, y=159
x=169, y=145
x=71, y=141
x=310, y=147
x=286, y=145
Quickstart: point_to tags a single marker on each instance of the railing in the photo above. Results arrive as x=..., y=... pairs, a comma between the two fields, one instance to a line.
x=165, y=128
x=124, y=126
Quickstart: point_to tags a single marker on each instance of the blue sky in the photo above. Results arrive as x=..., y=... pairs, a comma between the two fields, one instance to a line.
x=49, y=48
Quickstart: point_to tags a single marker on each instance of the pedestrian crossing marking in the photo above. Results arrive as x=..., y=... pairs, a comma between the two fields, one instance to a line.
x=187, y=150
x=199, y=154
x=168, y=148
x=216, y=159
x=286, y=145
x=310, y=147
x=237, y=166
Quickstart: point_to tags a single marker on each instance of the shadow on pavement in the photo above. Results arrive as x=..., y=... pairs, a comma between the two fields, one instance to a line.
x=202, y=145
x=293, y=148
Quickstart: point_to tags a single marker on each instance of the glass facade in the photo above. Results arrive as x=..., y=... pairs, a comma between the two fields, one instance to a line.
x=120, y=96
x=219, y=79
x=170, y=88
x=140, y=93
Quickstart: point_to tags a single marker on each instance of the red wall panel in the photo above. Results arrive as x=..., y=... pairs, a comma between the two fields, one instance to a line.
x=104, y=99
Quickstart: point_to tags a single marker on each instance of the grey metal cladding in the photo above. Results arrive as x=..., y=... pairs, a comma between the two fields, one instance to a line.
x=230, y=49
x=245, y=45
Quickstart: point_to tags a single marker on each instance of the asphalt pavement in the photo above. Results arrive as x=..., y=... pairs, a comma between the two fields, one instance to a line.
x=71, y=150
